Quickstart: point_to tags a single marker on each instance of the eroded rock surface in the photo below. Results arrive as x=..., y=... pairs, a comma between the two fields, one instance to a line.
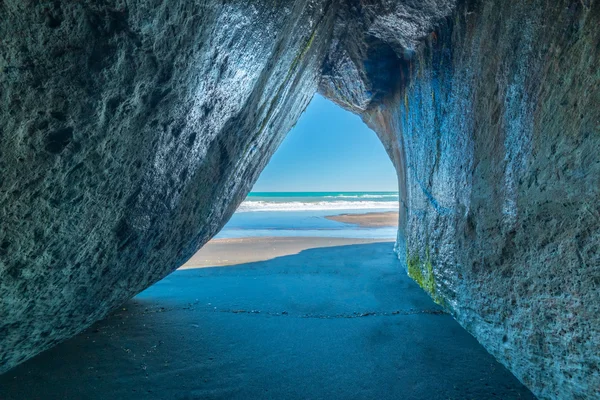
x=129, y=133
x=131, y=130
x=494, y=127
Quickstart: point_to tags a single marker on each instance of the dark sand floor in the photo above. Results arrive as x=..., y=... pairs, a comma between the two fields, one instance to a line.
x=331, y=323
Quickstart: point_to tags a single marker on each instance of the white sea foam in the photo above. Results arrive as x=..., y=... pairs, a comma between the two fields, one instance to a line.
x=362, y=233
x=363, y=196
x=250, y=205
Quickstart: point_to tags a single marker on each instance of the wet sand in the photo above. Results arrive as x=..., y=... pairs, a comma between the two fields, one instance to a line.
x=222, y=252
x=368, y=220
x=339, y=322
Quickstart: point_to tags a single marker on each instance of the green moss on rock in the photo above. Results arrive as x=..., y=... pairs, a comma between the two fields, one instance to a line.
x=422, y=273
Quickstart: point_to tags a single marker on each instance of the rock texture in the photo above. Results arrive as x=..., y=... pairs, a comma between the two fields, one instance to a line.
x=129, y=133
x=494, y=127
x=131, y=130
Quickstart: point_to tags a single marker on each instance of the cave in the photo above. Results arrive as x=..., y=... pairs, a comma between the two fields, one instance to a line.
x=131, y=131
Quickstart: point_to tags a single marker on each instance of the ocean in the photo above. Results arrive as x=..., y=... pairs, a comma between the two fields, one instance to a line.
x=303, y=214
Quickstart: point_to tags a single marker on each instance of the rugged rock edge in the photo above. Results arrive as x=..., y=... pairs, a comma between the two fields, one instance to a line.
x=493, y=125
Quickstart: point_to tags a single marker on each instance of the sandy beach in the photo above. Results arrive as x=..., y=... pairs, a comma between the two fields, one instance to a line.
x=222, y=252
x=368, y=220
x=341, y=322
x=292, y=304
x=233, y=251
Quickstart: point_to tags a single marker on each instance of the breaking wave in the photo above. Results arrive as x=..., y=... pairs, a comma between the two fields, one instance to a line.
x=252, y=205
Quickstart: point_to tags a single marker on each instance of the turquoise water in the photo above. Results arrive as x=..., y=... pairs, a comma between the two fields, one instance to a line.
x=296, y=201
x=303, y=214
x=317, y=196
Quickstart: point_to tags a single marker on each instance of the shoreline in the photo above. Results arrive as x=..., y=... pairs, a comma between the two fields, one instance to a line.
x=234, y=251
x=222, y=252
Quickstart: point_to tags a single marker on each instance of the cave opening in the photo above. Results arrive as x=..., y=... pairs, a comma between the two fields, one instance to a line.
x=329, y=182
x=299, y=296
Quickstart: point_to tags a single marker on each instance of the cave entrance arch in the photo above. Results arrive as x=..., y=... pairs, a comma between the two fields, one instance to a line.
x=331, y=177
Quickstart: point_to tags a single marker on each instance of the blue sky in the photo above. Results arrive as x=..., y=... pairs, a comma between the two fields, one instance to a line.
x=329, y=150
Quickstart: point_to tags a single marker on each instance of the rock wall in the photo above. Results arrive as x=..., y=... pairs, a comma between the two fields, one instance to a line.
x=131, y=130
x=493, y=124
x=129, y=133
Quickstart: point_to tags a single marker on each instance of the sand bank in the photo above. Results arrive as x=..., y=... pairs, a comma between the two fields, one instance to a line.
x=368, y=220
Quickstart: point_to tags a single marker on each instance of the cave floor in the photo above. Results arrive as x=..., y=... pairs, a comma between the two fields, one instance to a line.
x=333, y=323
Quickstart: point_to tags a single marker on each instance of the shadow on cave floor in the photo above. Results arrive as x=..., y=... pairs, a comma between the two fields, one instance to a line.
x=333, y=323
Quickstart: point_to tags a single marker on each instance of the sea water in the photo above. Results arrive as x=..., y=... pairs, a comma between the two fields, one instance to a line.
x=303, y=214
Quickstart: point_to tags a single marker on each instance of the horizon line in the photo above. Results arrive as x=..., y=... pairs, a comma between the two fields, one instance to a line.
x=322, y=191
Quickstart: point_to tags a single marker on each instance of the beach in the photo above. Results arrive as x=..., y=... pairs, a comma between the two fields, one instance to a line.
x=288, y=225
x=223, y=252
x=368, y=220
x=348, y=215
x=236, y=245
x=342, y=322
x=297, y=297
